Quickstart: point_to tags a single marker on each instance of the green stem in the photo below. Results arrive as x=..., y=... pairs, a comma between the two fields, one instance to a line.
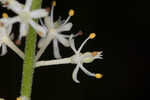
x=29, y=61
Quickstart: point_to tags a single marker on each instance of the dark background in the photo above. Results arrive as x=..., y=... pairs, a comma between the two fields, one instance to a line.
x=122, y=29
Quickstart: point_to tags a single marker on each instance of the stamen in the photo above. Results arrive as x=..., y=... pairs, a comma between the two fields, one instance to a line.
x=94, y=53
x=98, y=75
x=54, y=3
x=92, y=35
x=71, y=12
x=79, y=33
x=52, y=13
x=5, y=15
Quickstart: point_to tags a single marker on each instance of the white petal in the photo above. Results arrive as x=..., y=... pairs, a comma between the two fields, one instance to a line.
x=86, y=71
x=47, y=22
x=41, y=42
x=15, y=6
x=39, y=29
x=56, y=49
x=52, y=17
x=28, y=5
x=12, y=20
x=85, y=41
x=65, y=27
x=9, y=29
x=39, y=13
x=12, y=36
x=63, y=41
x=74, y=74
x=4, y=50
x=72, y=44
x=23, y=30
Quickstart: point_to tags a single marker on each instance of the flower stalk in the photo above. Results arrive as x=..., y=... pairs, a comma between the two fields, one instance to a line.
x=29, y=61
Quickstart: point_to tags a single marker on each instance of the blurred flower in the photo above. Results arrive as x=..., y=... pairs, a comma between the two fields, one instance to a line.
x=2, y=99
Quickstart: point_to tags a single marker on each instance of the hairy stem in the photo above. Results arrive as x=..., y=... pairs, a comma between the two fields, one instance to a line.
x=29, y=61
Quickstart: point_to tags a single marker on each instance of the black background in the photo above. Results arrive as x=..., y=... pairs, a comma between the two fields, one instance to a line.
x=122, y=29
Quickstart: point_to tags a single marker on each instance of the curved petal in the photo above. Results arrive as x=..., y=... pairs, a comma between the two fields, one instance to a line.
x=39, y=13
x=8, y=21
x=28, y=5
x=86, y=71
x=41, y=42
x=63, y=41
x=72, y=44
x=56, y=49
x=74, y=74
x=39, y=29
x=65, y=27
x=4, y=50
x=47, y=22
x=15, y=6
x=23, y=30
x=9, y=29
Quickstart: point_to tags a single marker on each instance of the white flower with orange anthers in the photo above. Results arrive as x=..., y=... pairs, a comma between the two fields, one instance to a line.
x=54, y=33
x=5, y=37
x=78, y=58
x=25, y=17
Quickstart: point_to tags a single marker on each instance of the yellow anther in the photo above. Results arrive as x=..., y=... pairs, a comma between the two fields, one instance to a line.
x=92, y=35
x=18, y=98
x=5, y=15
x=71, y=12
x=98, y=75
x=54, y=3
x=94, y=53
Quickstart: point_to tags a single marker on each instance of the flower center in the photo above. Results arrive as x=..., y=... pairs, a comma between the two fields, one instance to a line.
x=25, y=16
x=77, y=58
x=53, y=32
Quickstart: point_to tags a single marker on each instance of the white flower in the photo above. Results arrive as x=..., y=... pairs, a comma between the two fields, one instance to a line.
x=80, y=58
x=5, y=37
x=26, y=16
x=54, y=32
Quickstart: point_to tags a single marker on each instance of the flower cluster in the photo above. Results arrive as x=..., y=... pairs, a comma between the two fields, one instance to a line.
x=49, y=31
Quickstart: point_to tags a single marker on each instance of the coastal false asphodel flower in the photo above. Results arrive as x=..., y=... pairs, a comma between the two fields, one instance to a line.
x=54, y=32
x=78, y=58
x=26, y=16
x=6, y=36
